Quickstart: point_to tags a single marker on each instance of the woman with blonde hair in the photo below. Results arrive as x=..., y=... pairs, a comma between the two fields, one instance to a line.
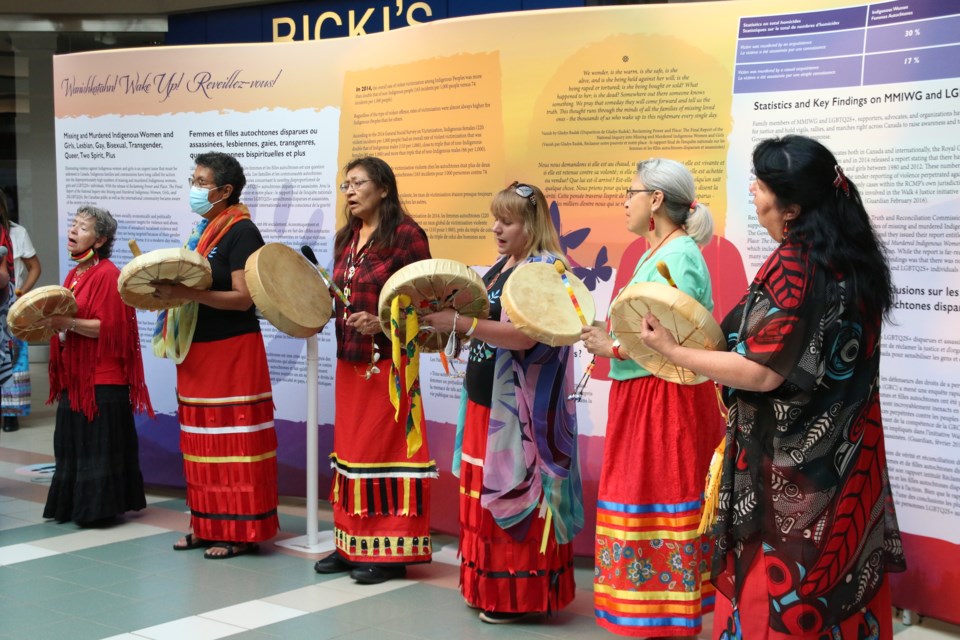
x=521, y=502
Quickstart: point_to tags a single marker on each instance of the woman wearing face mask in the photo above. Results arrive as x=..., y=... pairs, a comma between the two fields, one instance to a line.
x=223, y=384
x=96, y=375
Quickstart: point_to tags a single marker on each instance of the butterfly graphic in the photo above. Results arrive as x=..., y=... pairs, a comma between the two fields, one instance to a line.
x=569, y=241
x=600, y=270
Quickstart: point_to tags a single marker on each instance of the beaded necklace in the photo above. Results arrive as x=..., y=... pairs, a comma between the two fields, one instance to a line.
x=79, y=274
x=354, y=260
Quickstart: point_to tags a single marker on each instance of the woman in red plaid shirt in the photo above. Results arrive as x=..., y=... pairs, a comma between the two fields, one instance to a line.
x=380, y=497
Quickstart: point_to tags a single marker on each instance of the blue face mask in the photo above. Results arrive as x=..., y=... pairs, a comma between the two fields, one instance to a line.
x=200, y=200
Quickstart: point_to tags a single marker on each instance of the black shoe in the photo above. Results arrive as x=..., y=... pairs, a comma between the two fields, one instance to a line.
x=500, y=617
x=377, y=573
x=11, y=423
x=333, y=563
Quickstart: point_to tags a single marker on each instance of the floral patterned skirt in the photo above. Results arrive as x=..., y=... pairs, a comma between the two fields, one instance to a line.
x=652, y=567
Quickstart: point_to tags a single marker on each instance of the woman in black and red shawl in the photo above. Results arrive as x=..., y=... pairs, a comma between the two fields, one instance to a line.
x=96, y=375
x=806, y=528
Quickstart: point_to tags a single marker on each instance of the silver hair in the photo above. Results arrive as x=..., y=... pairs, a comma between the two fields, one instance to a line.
x=104, y=224
x=679, y=193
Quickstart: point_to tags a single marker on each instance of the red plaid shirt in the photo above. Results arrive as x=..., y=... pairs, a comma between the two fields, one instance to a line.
x=409, y=245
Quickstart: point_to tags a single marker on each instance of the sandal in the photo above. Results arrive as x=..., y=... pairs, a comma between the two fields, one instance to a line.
x=192, y=542
x=234, y=549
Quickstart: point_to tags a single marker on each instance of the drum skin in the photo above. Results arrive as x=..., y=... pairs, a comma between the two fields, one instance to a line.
x=688, y=320
x=539, y=305
x=433, y=285
x=287, y=290
x=171, y=266
x=35, y=305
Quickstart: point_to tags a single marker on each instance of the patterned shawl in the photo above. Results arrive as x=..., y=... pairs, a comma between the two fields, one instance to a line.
x=173, y=332
x=531, y=457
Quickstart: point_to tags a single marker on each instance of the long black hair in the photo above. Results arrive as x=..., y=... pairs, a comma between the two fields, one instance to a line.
x=391, y=209
x=833, y=223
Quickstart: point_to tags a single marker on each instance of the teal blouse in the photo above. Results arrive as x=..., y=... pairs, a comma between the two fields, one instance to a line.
x=687, y=268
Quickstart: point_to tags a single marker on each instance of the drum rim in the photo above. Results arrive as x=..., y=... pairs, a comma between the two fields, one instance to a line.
x=26, y=300
x=436, y=340
x=275, y=315
x=528, y=327
x=145, y=300
x=669, y=296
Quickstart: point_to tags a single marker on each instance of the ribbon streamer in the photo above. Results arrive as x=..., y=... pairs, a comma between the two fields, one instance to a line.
x=405, y=393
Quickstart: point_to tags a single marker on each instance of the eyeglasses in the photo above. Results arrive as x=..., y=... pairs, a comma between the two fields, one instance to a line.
x=200, y=182
x=633, y=192
x=346, y=186
x=525, y=191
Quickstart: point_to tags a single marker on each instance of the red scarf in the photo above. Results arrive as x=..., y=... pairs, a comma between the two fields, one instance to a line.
x=73, y=364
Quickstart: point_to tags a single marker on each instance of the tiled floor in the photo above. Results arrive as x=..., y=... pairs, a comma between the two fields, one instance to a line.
x=61, y=582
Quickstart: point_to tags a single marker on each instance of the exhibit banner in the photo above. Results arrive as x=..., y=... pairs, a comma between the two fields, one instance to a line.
x=569, y=100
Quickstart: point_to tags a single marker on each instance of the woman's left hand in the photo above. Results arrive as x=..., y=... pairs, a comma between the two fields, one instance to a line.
x=597, y=341
x=364, y=322
x=441, y=321
x=168, y=291
x=57, y=323
x=655, y=336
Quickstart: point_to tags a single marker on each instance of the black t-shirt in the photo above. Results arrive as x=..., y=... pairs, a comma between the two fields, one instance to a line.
x=230, y=254
x=482, y=359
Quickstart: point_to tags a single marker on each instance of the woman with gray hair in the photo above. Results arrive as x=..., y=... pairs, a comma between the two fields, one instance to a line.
x=660, y=437
x=96, y=375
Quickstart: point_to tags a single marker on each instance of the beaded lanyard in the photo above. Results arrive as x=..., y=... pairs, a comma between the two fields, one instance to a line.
x=77, y=276
x=354, y=260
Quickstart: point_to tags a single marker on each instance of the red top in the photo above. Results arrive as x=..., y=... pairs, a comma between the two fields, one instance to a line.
x=113, y=358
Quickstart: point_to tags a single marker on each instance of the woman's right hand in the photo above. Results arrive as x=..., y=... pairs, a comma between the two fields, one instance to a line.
x=365, y=323
x=57, y=323
x=440, y=320
x=597, y=341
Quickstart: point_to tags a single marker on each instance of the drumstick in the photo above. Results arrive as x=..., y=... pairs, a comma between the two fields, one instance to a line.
x=311, y=257
x=134, y=247
x=665, y=272
x=562, y=270
x=577, y=394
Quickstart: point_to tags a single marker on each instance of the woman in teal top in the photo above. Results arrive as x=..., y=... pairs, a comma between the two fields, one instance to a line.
x=659, y=440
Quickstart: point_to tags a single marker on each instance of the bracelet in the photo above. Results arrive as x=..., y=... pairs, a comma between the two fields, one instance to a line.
x=616, y=350
x=473, y=327
x=73, y=325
